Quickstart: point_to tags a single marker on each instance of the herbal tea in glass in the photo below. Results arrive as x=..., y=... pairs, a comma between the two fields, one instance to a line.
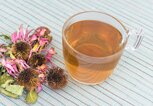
x=92, y=46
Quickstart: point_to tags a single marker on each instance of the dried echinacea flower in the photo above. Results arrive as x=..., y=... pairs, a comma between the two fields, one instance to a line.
x=43, y=31
x=29, y=79
x=21, y=35
x=14, y=66
x=40, y=39
x=56, y=78
x=21, y=50
x=36, y=60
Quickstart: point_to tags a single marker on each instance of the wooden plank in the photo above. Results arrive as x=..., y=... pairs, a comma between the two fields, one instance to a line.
x=131, y=83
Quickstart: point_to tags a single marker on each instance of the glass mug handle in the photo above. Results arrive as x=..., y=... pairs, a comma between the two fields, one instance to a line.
x=135, y=38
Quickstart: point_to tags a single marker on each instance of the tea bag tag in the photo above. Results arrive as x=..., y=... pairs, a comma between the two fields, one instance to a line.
x=135, y=38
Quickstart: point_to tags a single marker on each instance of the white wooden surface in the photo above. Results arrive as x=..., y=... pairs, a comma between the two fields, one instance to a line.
x=132, y=81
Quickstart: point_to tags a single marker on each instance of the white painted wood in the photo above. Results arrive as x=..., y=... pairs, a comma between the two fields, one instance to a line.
x=132, y=80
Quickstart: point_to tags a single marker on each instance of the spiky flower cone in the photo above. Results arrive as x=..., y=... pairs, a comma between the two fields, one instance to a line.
x=56, y=78
x=37, y=60
x=21, y=50
x=29, y=79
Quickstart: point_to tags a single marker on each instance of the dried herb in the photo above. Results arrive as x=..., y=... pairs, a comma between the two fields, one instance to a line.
x=56, y=78
x=24, y=67
x=37, y=60
x=21, y=50
x=28, y=78
x=7, y=86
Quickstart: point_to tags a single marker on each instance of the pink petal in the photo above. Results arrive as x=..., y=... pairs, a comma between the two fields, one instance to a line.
x=10, y=67
x=14, y=37
x=31, y=51
x=9, y=71
x=52, y=51
x=3, y=50
x=22, y=63
x=15, y=68
x=33, y=37
x=27, y=33
x=42, y=32
x=49, y=55
x=39, y=88
x=19, y=37
x=43, y=41
x=21, y=32
x=41, y=76
x=26, y=65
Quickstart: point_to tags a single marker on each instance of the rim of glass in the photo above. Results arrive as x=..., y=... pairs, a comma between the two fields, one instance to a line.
x=71, y=17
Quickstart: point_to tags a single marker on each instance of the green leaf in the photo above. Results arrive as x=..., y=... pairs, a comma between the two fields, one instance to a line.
x=4, y=78
x=7, y=83
x=3, y=91
x=31, y=97
x=5, y=36
x=15, y=89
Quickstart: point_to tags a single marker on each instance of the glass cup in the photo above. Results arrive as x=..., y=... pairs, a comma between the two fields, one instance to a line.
x=93, y=70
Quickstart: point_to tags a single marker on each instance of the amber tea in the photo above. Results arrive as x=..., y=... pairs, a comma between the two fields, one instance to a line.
x=92, y=39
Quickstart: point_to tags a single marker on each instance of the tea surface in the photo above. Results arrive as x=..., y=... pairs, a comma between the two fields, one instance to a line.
x=93, y=39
